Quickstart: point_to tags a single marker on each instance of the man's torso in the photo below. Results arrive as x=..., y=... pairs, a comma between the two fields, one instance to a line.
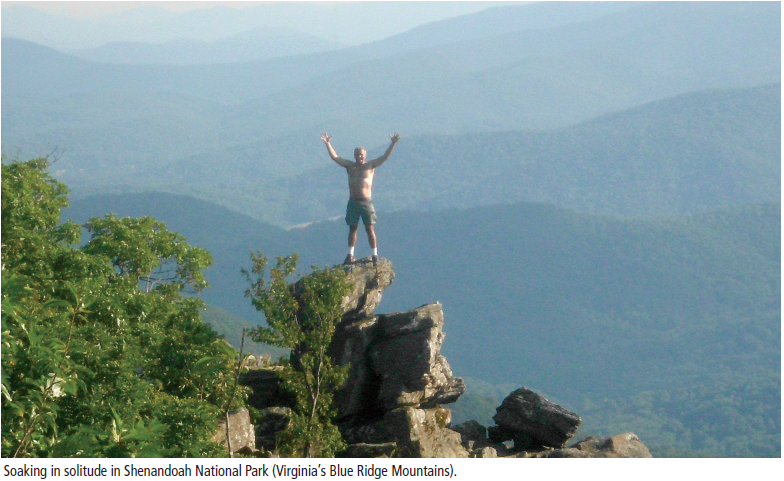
x=360, y=181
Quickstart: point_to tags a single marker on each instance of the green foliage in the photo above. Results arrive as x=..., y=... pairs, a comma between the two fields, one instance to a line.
x=91, y=365
x=145, y=250
x=302, y=317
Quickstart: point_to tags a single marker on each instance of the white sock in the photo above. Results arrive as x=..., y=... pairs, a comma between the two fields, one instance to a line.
x=375, y=251
x=351, y=251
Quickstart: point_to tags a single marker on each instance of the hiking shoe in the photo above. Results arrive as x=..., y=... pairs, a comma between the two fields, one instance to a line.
x=375, y=261
x=349, y=260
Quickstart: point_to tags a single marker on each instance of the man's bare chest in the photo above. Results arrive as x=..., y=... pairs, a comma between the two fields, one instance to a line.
x=359, y=174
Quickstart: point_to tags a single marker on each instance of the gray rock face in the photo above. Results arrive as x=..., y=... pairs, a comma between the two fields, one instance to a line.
x=533, y=421
x=389, y=406
x=406, y=355
x=395, y=361
x=395, y=358
x=241, y=432
x=367, y=285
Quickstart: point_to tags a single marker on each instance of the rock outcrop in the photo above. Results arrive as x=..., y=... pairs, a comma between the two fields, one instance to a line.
x=241, y=432
x=391, y=404
x=395, y=362
x=416, y=433
x=533, y=422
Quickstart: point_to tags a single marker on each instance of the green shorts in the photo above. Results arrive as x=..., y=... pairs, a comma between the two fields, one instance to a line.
x=360, y=208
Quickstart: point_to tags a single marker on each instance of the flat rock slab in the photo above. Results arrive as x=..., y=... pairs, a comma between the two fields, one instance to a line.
x=626, y=445
x=533, y=421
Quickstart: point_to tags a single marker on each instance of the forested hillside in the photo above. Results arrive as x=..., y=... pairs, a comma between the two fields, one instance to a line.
x=668, y=327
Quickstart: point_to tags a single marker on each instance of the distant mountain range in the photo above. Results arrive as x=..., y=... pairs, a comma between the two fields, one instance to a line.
x=258, y=44
x=350, y=23
x=686, y=154
x=618, y=318
x=131, y=128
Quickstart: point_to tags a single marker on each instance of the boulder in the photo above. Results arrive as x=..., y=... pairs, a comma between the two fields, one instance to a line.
x=475, y=440
x=241, y=432
x=471, y=431
x=533, y=421
x=626, y=445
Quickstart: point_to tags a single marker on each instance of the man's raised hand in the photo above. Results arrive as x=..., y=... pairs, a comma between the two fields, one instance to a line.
x=326, y=138
x=395, y=137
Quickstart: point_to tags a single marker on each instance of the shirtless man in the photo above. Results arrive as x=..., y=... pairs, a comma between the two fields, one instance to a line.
x=360, y=186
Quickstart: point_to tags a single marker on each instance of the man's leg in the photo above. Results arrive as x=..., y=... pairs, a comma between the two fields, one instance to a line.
x=371, y=233
x=352, y=241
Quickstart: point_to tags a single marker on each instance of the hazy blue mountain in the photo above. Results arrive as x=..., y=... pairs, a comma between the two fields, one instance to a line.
x=689, y=153
x=270, y=42
x=344, y=22
x=667, y=327
x=535, y=79
x=686, y=154
x=522, y=80
x=258, y=44
x=642, y=52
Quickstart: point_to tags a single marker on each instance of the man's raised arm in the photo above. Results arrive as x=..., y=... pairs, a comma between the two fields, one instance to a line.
x=376, y=162
x=342, y=162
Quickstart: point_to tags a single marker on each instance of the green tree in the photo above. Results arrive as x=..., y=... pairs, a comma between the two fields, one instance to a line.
x=302, y=317
x=92, y=365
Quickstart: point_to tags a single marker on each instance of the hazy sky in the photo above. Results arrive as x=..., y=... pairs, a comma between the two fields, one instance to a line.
x=74, y=25
x=81, y=10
